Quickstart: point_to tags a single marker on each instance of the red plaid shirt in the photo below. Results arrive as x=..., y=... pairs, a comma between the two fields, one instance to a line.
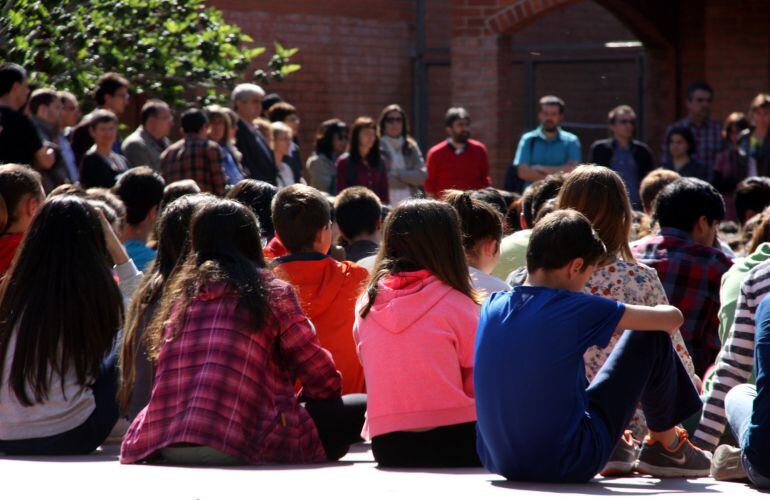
x=198, y=159
x=691, y=275
x=224, y=384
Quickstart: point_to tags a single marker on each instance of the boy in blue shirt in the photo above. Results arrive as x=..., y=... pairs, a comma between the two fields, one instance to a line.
x=538, y=420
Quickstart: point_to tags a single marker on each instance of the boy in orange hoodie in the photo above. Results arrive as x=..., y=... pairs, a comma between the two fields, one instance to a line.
x=327, y=289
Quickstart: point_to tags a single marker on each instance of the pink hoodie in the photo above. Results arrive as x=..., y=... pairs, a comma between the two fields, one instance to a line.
x=416, y=347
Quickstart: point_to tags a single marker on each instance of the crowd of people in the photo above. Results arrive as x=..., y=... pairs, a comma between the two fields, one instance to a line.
x=216, y=300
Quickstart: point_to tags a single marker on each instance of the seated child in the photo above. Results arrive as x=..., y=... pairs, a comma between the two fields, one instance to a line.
x=538, y=420
x=141, y=191
x=58, y=374
x=21, y=194
x=229, y=339
x=135, y=370
x=482, y=227
x=748, y=413
x=415, y=331
x=359, y=217
x=327, y=289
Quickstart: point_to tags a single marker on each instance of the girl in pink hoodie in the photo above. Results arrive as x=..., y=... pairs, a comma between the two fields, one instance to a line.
x=415, y=330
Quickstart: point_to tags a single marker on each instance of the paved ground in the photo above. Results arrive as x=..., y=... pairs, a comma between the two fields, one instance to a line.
x=100, y=476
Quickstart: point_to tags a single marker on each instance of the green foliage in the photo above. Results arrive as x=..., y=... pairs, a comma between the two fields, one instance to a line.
x=179, y=50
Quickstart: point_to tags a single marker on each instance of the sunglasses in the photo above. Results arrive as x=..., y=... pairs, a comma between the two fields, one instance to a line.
x=625, y=122
x=394, y=119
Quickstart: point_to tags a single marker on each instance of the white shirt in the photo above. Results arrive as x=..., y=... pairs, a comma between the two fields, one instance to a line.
x=486, y=283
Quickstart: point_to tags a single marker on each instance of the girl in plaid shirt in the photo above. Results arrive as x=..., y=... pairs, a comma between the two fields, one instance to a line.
x=229, y=340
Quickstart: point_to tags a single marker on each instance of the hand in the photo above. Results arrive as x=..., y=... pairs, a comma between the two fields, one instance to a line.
x=114, y=246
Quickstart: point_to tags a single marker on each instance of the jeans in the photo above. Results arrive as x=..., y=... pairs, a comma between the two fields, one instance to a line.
x=86, y=437
x=739, y=405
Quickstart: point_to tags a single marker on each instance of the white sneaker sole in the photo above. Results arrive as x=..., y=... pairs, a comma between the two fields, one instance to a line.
x=658, y=471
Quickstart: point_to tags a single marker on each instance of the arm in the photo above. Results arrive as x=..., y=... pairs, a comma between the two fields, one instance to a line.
x=299, y=347
x=44, y=157
x=733, y=367
x=414, y=174
x=342, y=173
x=530, y=173
x=657, y=318
x=432, y=173
x=484, y=180
x=136, y=154
x=217, y=170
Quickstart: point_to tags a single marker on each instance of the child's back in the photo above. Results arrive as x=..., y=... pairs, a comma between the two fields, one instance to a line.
x=328, y=291
x=530, y=373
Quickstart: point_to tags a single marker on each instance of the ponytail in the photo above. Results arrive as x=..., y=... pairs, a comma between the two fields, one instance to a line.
x=479, y=220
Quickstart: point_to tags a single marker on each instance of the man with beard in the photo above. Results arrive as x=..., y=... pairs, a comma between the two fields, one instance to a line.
x=459, y=162
x=546, y=150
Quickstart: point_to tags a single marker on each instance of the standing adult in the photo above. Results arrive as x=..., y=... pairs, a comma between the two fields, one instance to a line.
x=545, y=150
x=19, y=139
x=707, y=132
x=459, y=162
x=331, y=141
x=631, y=159
x=753, y=145
x=257, y=156
x=220, y=131
x=145, y=144
x=406, y=168
x=363, y=164
x=286, y=113
x=282, y=141
x=101, y=165
x=68, y=118
x=45, y=110
x=195, y=156
x=728, y=169
x=111, y=94
x=681, y=151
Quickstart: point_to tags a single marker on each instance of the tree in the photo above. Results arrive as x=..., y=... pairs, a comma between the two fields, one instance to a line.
x=179, y=50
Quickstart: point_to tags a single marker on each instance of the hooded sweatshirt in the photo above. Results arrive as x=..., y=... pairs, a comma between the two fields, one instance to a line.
x=327, y=292
x=416, y=345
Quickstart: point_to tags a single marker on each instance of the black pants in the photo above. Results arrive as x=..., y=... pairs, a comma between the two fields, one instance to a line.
x=339, y=422
x=450, y=446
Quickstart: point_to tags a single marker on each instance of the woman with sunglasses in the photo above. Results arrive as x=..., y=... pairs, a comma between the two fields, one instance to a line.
x=406, y=167
x=631, y=159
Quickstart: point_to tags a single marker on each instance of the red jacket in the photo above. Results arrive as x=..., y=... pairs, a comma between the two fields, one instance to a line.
x=328, y=291
x=224, y=384
x=447, y=170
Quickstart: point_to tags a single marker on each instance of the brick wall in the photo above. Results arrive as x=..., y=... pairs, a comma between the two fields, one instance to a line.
x=355, y=56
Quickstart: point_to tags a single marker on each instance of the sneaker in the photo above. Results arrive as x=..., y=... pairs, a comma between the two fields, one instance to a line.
x=686, y=460
x=623, y=457
x=727, y=465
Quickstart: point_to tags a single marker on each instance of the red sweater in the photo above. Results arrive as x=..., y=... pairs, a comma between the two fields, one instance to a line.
x=9, y=243
x=447, y=170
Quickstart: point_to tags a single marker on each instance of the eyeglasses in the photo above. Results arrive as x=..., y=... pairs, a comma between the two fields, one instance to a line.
x=625, y=122
x=394, y=119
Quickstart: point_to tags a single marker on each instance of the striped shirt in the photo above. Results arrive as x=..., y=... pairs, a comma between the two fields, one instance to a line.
x=736, y=359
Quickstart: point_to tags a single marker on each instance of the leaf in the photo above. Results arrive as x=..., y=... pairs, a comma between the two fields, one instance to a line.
x=290, y=68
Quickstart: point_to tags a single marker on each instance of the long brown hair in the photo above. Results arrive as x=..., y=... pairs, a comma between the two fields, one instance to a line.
x=61, y=299
x=225, y=248
x=373, y=158
x=600, y=194
x=422, y=234
x=173, y=248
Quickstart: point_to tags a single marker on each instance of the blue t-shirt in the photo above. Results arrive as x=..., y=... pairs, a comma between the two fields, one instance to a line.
x=530, y=383
x=140, y=253
x=536, y=149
